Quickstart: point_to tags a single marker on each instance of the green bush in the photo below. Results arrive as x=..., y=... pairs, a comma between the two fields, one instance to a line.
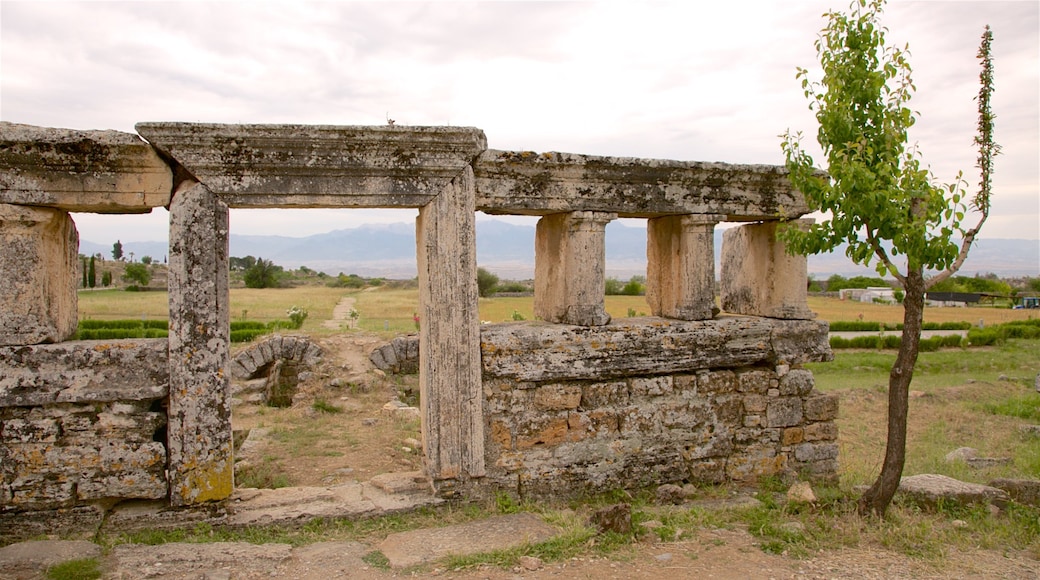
x=92, y=324
x=117, y=333
x=866, y=342
x=984, y=337
x=891, y=341
x=248, y=334
x=247, y=325
x=854, y=326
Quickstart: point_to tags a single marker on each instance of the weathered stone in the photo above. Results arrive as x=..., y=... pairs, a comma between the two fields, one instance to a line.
x=651, y=387
x=81, y=171
x=450, y=335
x=541, y=184
x=199, y=432
x=640, y=347
x=1025, y=491
x=931, y=489
x=824, y=431
x=38, y=275
x=756, y=381
x=557, y=397
x=604, y=394
x=32, y=559
x=961, y=454
x=792, y=436
x=83, y=371
x=759, y=460
x=801, y=492
x=784, y=412
x=821, y=407
x=670, y=493
x=759, y=277
x=319, y=165
x=796, y=382
x=570, y=268
x=809, y=452
x=680, y=252
x=716, y=382
x=405, y=549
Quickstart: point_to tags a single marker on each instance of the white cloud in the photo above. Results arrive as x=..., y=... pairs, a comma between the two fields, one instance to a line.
x=674, y=79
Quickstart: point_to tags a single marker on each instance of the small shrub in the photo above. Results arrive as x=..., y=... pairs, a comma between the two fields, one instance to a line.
x=247, y=325
x=248, y=334
x=518, y=316
x=297, y=315
x=984, y=337
x=855, y=326
x=323, y=406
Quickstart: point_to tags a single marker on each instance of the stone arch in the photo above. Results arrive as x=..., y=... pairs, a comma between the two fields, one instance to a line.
x=278, y=360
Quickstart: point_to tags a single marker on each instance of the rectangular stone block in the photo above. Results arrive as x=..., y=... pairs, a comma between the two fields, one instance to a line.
x=598, y=395
x=784, y=412
x=81, y=171
x=38, y=275
x=556, y=397
x=821, y=407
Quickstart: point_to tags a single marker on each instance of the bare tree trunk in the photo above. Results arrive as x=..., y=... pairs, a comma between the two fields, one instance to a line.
x=877, y=498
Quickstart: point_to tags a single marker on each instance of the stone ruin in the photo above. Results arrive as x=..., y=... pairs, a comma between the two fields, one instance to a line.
x=569, y=404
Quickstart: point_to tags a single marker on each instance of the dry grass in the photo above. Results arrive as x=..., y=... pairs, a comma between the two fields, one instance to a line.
x=833, y=309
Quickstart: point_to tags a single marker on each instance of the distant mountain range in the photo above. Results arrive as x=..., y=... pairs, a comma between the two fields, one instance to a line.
x=388, y=250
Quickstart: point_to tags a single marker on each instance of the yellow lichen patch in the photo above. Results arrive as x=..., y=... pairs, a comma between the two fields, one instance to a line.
x=212, y=484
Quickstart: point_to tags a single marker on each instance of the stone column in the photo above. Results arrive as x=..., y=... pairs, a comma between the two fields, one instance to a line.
x=199, y=431
x=759, y=278
x=451, y=396
x=680, y=273
x=39, y=269
x=569, y=266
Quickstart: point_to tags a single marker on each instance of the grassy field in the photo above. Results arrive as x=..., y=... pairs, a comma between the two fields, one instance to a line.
x=392, y=310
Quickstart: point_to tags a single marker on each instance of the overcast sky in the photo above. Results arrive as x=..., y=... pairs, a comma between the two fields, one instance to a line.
x=676, y=80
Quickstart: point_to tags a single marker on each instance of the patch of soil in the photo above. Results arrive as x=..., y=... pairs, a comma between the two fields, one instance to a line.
x=336, y=430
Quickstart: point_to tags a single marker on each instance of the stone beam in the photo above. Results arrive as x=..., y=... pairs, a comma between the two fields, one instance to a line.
x=543, y=183
x=450, y=386
x=81, y=171
x=308, y=166
x=646, y=346
x=199, y=432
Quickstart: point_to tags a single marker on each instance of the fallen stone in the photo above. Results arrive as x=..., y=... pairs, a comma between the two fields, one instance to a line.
x=530, y=563
x=930, y=490
x=801, y=492
x=406, y=549
x=26, y=559
x=1026, y=491
x=179, y=560
x=666, y=557
x=616, y=518
x=987, y=462
x=961, y=454
x=670, y=493
x=406, y=482
x=1030, y=430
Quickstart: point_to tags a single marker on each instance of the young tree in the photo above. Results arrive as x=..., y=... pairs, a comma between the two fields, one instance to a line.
x=91, y=274
x=117, y=251
x=880, y=201
x=137, y=274
x=486, y=283
x=262, y=274
x=84, y=270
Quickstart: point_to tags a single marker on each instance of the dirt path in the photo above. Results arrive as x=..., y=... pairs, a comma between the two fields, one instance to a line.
x=341, y=314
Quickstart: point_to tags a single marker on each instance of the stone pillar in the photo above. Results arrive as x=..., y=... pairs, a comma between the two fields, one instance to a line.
x=199, y=436
x=680, y=273
x=569, y=266
x=450, y=387
x=759, y=278
x=39, y=269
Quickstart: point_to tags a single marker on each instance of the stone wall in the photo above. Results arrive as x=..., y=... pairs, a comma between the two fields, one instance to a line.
x=82, y=422
x=696, y=402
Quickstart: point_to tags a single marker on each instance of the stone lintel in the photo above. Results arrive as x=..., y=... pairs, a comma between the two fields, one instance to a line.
x=450, y=385
x=38, y=275
x=759, y=277
x=199, y=428
x=680, y=252
x=84, y=371
x=530, y=183
x=308, y=166
x=570, y=264
x=81, y=171
x=539, y=352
